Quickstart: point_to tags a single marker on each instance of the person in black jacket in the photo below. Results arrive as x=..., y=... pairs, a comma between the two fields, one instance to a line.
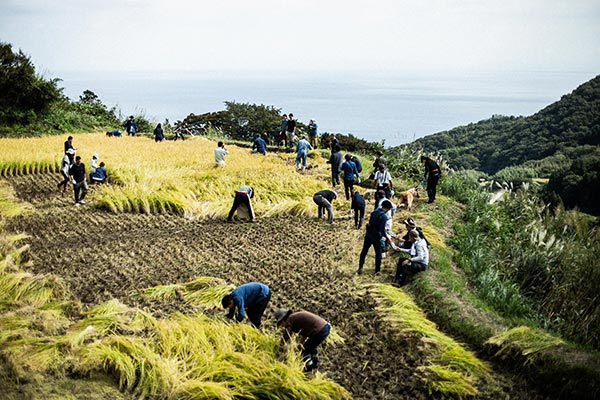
x=432, y=175
x=358, y=206
x=323, y=199
x=77, y=172
x=375, y=232
x=159, y=135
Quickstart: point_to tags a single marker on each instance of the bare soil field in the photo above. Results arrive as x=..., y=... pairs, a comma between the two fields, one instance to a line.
x=308, y=264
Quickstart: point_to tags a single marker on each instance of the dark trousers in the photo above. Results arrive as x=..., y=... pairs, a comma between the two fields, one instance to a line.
x=432, y=181
x=255, y=311
x=323, y=204
x=402, y=271
x=80, y=187
x=363, y=254
x=311, y=344
x=348, y=188
x=240, y=198
x=335, y=178
x=64, y=182
x=359, y=216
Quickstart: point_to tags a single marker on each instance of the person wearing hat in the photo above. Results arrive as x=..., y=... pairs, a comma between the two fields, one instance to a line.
x=382, y=180
x=312, y=133
x=432, y=176
x=242, y=196
x=94, y=163
x=130, y=126
x=250, y=298
x=302, y=149
x=312, y=330
x=323, y=199
x=417, y=263
x=375, y=232
x=410, y=224
x=378, y=162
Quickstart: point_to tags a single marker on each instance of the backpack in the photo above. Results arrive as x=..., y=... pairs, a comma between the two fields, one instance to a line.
x=356, y=161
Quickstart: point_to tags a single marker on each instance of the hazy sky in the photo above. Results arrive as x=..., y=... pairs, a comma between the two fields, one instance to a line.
x=398, y=35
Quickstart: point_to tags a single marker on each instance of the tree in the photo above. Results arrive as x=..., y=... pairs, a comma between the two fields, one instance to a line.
x=24, y=94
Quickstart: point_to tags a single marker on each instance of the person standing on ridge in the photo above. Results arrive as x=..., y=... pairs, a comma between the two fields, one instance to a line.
x=159, y=135
x=65, y=165
x=311, y=329
x=312, y=133
x=375, y=232
x=432, y=175
x=282, y=138
x=250, y=298
x=130, y=126
x=349, y=169
x=323, y=199
x=336, y=159
x=69, y=145
x=290, y=130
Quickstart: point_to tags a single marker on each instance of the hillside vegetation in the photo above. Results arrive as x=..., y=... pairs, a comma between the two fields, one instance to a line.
x=559, y=142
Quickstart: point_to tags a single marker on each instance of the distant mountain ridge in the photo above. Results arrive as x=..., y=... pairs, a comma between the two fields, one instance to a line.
x=499, y=142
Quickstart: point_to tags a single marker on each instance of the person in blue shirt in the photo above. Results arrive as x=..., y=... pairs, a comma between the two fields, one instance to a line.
x=375, y=232
x=250, y=298
x=99, y=175
x=349, y=169
x=302, y=149
x=259, y=145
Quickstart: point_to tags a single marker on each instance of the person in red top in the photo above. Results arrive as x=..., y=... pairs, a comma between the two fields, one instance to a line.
x=312, y=330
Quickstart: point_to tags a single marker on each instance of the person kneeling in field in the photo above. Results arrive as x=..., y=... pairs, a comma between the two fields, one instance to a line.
x=99, y=175
x=414, y=264
x=251, y=298
x=242, y=198
x=312, y=330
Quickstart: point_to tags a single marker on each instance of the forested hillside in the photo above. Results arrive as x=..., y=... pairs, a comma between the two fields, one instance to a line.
x=501, y=141
x=560, y=142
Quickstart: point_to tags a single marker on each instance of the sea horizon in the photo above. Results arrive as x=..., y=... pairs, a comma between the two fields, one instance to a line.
x=374, y=105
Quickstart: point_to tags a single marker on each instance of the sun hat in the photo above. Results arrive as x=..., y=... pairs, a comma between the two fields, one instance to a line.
x=410, y=222
x=281, y=314
x=95, y=156
x=414, y=234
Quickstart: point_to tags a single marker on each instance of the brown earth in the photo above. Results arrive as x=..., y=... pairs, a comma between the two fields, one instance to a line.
x=307, y=263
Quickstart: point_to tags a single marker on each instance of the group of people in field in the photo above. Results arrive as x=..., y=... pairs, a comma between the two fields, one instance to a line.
x=252, y=298
x=73, y=170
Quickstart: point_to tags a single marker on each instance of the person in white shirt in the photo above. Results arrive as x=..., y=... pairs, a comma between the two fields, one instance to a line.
x=414, y=264
x=220, y=153
x=383, y=181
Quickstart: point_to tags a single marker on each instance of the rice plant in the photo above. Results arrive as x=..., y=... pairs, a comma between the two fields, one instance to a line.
x=452, y=370
x=525, y=341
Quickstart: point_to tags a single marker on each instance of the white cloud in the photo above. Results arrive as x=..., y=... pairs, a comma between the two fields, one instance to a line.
x=274, y=34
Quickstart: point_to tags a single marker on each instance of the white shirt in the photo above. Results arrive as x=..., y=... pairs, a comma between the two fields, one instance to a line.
x=220, y=155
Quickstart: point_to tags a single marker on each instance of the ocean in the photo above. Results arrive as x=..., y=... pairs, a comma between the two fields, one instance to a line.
x=376, y=106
